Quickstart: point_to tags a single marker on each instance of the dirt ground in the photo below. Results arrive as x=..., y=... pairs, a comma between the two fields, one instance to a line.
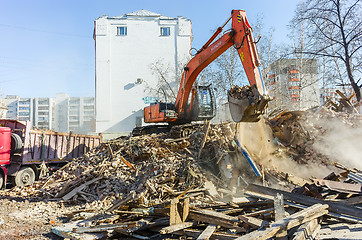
x=29, y=219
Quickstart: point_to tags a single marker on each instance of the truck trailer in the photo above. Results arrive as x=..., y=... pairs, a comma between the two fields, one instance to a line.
x=25, y=152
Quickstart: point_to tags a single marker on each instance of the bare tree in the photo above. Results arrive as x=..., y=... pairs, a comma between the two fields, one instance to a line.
x=227, y=69
x=223, y=73
x=333, y=29
x=266, y=47
x=169, y=78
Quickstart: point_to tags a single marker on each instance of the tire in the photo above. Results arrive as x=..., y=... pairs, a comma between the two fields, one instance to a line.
x=24, y=177
x=16, y=144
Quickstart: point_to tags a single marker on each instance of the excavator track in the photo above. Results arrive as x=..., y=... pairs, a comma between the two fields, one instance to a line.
x=151, y=129
x=175, y=131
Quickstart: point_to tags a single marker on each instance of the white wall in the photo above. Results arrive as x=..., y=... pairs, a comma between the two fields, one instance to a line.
x=121, y=60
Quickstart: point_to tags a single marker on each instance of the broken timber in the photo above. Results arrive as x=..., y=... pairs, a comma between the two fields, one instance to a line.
x=269, y=193
x=294, y=220
x=216, y=218
x=207, y=233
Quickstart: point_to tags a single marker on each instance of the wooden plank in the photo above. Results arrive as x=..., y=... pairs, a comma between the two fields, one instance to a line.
x=307, y=231
x=66, y=231
x=158, y=222
x=352, y=200
x=206, y=234
x=204, y=139
x=279, y=213
x=294, y=220
x=260, y=212
x=80, y=188
x=331, y=214
x=268, y=193
x=127, y=163
x=100, y=228
x=119, y=202
x=279, y=207
x=340, y=231
x=354, y=188
x=186, y=209
x=216, y=235
x=176, y=227
x=216, y=218
x=175, y=217
x=255, y=222
x=132, y=235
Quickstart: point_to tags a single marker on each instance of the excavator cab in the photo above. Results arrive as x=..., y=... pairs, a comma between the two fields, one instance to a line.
x=204, y=104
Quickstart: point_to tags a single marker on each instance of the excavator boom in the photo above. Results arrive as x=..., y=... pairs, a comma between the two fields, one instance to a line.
x=186, y=108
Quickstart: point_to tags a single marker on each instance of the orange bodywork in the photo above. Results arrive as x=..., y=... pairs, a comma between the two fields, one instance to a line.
x=240, y=36
x=153, y=114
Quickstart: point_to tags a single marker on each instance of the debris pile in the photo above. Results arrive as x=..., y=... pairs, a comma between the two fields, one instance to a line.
x=263, y=213
x=298, y=131
x=161, y=187
x=344, y=104
x=244, y=92
x=153, y=168
x=296, y=134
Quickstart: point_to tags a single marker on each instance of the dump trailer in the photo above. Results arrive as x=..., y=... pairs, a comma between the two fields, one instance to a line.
x=27, y=153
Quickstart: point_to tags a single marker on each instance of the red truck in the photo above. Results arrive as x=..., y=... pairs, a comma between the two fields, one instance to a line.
x=25, y=151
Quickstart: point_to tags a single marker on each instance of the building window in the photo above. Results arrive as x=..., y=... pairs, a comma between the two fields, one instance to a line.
x=122, y=31
x=165, y=31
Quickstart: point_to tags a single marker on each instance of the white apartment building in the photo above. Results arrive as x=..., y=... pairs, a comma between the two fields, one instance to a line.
x=293, y=84
x=43, y=113
x=18, y=108
x=75, y=114
x=126, y=46
x=81, y=114
x=61, y=114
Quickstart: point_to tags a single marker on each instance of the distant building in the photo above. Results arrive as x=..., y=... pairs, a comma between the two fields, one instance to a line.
x=126, y=46
x=18, y=108
x=292, y=83
x=43, y=113
x=74, y=114
x=61, y=114
x=25, y=112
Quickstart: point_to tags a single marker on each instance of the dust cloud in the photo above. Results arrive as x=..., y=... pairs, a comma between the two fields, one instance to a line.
x=340, y=142
x=259, y=141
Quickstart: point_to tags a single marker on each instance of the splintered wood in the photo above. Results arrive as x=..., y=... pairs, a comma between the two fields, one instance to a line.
x=161, y=187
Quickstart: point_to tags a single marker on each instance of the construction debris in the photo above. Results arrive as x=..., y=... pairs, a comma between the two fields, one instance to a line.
x=204, y=184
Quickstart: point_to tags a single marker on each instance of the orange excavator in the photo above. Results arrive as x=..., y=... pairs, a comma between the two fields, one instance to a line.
x=195, y=103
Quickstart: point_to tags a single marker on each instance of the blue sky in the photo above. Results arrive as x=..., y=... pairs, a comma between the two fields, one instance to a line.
x=46, y=47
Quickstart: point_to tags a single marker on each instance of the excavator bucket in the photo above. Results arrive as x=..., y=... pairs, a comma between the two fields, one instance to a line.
x=246, y=104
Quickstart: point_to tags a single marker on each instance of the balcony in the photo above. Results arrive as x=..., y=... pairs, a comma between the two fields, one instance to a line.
x=293, y=71
x=294, y=79
x=294, y=87
x=294, y=95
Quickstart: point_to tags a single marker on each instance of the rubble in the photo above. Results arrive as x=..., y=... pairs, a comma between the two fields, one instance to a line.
x=161, y=187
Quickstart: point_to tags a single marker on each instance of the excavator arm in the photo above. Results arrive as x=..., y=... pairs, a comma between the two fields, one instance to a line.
x=240, y=36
